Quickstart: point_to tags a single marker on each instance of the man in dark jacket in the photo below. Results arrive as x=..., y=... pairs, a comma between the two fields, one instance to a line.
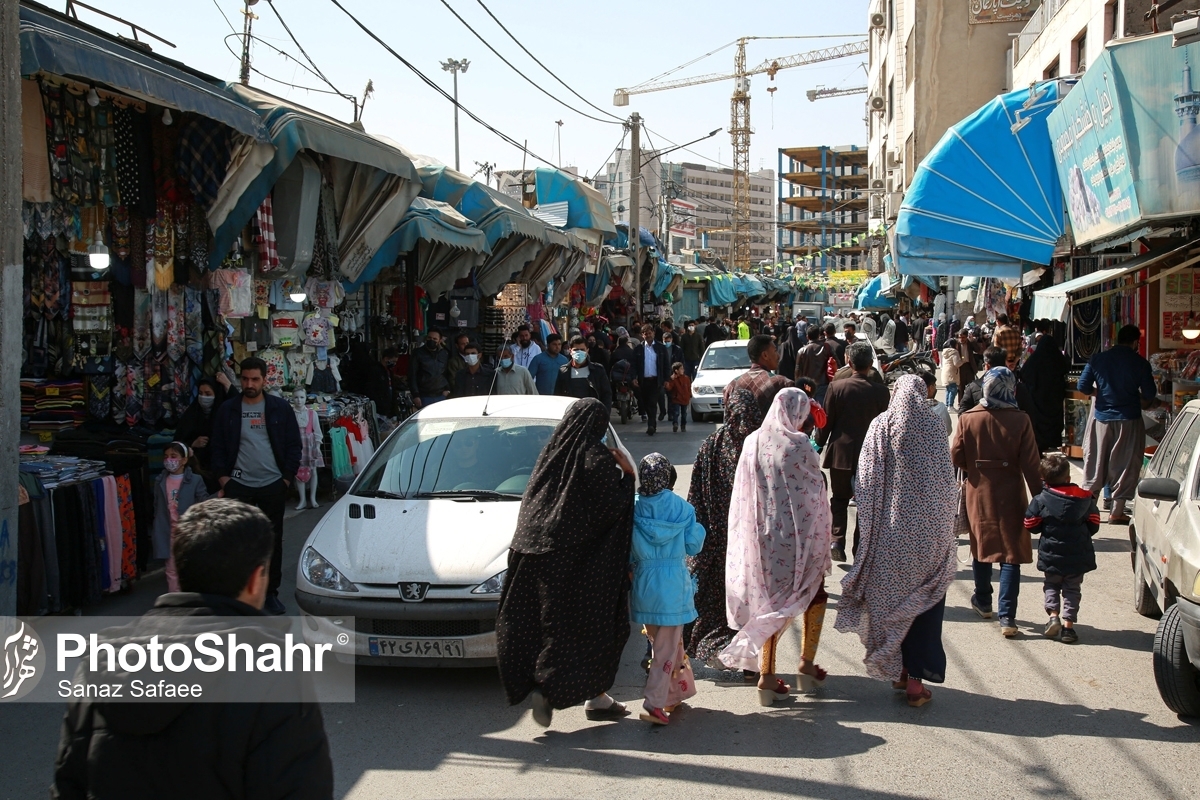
x=651, y=368
x=433, y=362
x=381, y=385
x=850, y=406
x=813, y=361
x=202, y=750
x=579, y=377
x=256, y=451
x=760, y=380
x=692, y=345
x=714, y=331
x=475, y=379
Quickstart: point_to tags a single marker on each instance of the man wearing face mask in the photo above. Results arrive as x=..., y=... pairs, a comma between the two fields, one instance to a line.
x=581, y=378
x=475, y=379
x=545, y=365
x=433, y=385
x=526, y=349
x=652, y=368
x=511, y=377
x=692, y=346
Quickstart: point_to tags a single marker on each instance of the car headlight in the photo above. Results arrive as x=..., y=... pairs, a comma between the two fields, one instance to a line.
x=492, y=585
x=706, y=390
x=320, y=572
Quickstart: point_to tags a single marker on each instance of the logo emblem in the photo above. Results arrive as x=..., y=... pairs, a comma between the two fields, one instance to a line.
x=413, y=592
x=24, y=659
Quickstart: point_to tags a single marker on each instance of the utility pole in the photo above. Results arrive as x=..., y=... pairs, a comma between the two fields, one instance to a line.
x=10, y=300
x=455, y=66
x=635, y=203
x=559, y=123
x=247, y=24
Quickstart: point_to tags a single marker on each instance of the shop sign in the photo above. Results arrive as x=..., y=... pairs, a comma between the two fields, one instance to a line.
x=683, y=218
x=1176, y=302
x=986, y=11
x=1126, y=139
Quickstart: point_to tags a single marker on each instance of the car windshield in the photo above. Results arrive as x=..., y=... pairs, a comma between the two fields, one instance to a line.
x=726, y=358
x=478, y=457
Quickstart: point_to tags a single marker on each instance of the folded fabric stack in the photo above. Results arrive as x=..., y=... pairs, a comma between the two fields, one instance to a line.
x=28, y=400
x=58, y=404
x=52, y=471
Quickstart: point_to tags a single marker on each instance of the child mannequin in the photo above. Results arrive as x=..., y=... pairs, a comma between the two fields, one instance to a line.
x=310, y=458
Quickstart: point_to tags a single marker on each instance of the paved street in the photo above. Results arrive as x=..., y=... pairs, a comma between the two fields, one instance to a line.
x=1028, y=717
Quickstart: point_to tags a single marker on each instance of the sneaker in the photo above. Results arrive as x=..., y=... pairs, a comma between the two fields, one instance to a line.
x=1053, y=627
x=683, y=428
x=1069, y=636
x=1008, y=628
x=674, y=428
x=983, y=611
x=274, y=606
x=1106, y=504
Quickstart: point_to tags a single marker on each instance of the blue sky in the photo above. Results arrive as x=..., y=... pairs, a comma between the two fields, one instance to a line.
x=593, y=46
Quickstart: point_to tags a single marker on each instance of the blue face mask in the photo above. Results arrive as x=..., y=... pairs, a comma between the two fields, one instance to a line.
x=506, y=363
x=578, y=356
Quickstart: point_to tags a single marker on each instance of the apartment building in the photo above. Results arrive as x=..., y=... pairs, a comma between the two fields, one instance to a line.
x=1064, y=37
x=931, y=64
x=823, y=206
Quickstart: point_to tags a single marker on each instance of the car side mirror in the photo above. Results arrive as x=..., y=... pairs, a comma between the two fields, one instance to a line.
x=1159, y=489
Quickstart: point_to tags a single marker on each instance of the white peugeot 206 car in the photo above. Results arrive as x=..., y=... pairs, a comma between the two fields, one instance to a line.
x=412, y=558
x=721, y=363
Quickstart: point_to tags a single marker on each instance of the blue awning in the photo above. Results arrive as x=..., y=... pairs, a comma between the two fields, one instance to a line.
x=986, y=201
x=55, y=45
x=721, y=290
x=871, y=297
x=446, y=244
x=496, y=214
x=586, y=207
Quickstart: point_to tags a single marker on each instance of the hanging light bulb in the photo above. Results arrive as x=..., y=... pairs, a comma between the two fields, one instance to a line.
x=1191, y=328
x=454, y=312
x=298, y=296
x=93, y=97
x=166, y=118
x=98, y=256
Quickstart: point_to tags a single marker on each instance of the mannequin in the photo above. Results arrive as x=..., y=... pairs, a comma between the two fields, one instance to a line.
x=310, y=458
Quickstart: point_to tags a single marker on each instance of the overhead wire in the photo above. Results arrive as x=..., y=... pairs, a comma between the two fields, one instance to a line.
x=543, y=66
x=286, y=55
x=315, y=69
x=528, y=80
x=433, y=85
x=223, y=14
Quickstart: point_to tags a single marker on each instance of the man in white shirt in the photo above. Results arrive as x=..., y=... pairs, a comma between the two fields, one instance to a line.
x=526, y=348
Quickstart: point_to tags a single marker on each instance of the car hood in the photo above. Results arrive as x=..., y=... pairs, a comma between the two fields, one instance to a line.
x=435, y=541
x=717, y=377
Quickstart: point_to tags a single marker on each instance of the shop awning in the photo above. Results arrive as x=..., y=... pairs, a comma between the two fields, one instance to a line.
x=986, y=200
x=586, y=207
x=446, y=245
x=871, y=296
x=496, y=214
x=374, y=181
x=1054, y=302
x=56, y=45
x=721, y=290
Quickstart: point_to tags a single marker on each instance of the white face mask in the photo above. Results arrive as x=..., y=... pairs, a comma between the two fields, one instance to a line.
x=471, y=358
x=171, y=464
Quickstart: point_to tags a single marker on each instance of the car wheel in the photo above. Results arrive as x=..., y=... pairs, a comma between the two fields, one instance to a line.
x=1178, y=681
x=1143, y=599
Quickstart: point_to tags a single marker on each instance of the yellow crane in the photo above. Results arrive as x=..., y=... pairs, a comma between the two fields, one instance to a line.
x=739, y=127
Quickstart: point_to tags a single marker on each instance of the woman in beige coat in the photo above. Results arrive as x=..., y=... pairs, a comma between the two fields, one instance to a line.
x=996, y=448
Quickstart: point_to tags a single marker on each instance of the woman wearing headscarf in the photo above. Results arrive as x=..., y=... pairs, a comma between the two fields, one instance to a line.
x=564, y=609
x=196, y=424
x=1044, y=375
x=996, y=448
x=710, y=491
x=788, y=350
x=895, y=595
x=780, y=529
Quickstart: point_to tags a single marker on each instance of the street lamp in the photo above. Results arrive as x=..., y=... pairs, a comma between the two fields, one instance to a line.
x=455, y=66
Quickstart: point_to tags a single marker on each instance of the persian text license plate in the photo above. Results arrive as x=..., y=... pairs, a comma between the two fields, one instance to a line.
x=416, y=648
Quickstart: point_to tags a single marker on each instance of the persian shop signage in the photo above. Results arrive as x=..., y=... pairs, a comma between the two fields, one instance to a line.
x=985, y=11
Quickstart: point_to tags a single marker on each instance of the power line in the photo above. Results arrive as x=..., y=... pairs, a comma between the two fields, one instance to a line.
x=543, y=66
x=308, y=58
x=227, y=22
x=286, y=55
x=620, y=144
x=528, y=80
x=431, y=84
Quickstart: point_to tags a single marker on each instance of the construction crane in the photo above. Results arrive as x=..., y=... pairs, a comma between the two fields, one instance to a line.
x=739, y=128
x=821, y=92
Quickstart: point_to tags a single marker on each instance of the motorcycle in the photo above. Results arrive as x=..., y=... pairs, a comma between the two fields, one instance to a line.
x=909, y=363
x=624, y=401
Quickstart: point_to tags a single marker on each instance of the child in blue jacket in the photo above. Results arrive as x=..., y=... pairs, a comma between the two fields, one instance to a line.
x=663, y=598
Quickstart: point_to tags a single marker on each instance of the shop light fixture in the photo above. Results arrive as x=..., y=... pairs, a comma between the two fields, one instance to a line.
x=455, y=313
x=1191, y=328
x=98, y=256
x=166, y=118
x=93, y=97
x=298, y=297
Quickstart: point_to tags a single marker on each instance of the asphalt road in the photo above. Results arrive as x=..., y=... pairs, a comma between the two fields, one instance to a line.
x=1021, y=718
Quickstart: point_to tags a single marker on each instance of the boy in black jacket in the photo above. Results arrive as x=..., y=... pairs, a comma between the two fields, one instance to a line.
x=1067, y=518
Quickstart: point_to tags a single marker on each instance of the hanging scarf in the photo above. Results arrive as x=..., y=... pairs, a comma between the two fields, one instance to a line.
x=999, y=388
x=907, y=554
x=780, y=530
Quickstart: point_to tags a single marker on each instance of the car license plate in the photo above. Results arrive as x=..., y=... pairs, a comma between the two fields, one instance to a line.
x=416, y=648
x=720, y=402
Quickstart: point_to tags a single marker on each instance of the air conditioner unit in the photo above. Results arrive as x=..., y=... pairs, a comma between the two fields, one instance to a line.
x=894, y=160
x=877, y=103
x=878, y=20
x=894, y=199
x=877, y=183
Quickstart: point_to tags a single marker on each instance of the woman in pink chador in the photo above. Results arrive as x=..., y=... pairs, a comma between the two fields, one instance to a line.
x=778, y=554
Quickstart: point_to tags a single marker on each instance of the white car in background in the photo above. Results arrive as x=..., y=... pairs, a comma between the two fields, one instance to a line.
x=721, y=363
x=412, y=559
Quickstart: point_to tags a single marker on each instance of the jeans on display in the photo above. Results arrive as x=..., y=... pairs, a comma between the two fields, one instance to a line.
x=1010, y=586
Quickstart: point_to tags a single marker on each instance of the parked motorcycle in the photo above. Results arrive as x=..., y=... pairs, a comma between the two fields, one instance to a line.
x=909, y=363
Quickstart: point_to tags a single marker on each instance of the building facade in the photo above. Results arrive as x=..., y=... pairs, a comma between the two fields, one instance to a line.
x=823, y=205
x=931, y=64
x=1065, y=36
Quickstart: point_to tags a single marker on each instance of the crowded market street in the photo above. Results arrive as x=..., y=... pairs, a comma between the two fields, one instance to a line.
x=1026, y=717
